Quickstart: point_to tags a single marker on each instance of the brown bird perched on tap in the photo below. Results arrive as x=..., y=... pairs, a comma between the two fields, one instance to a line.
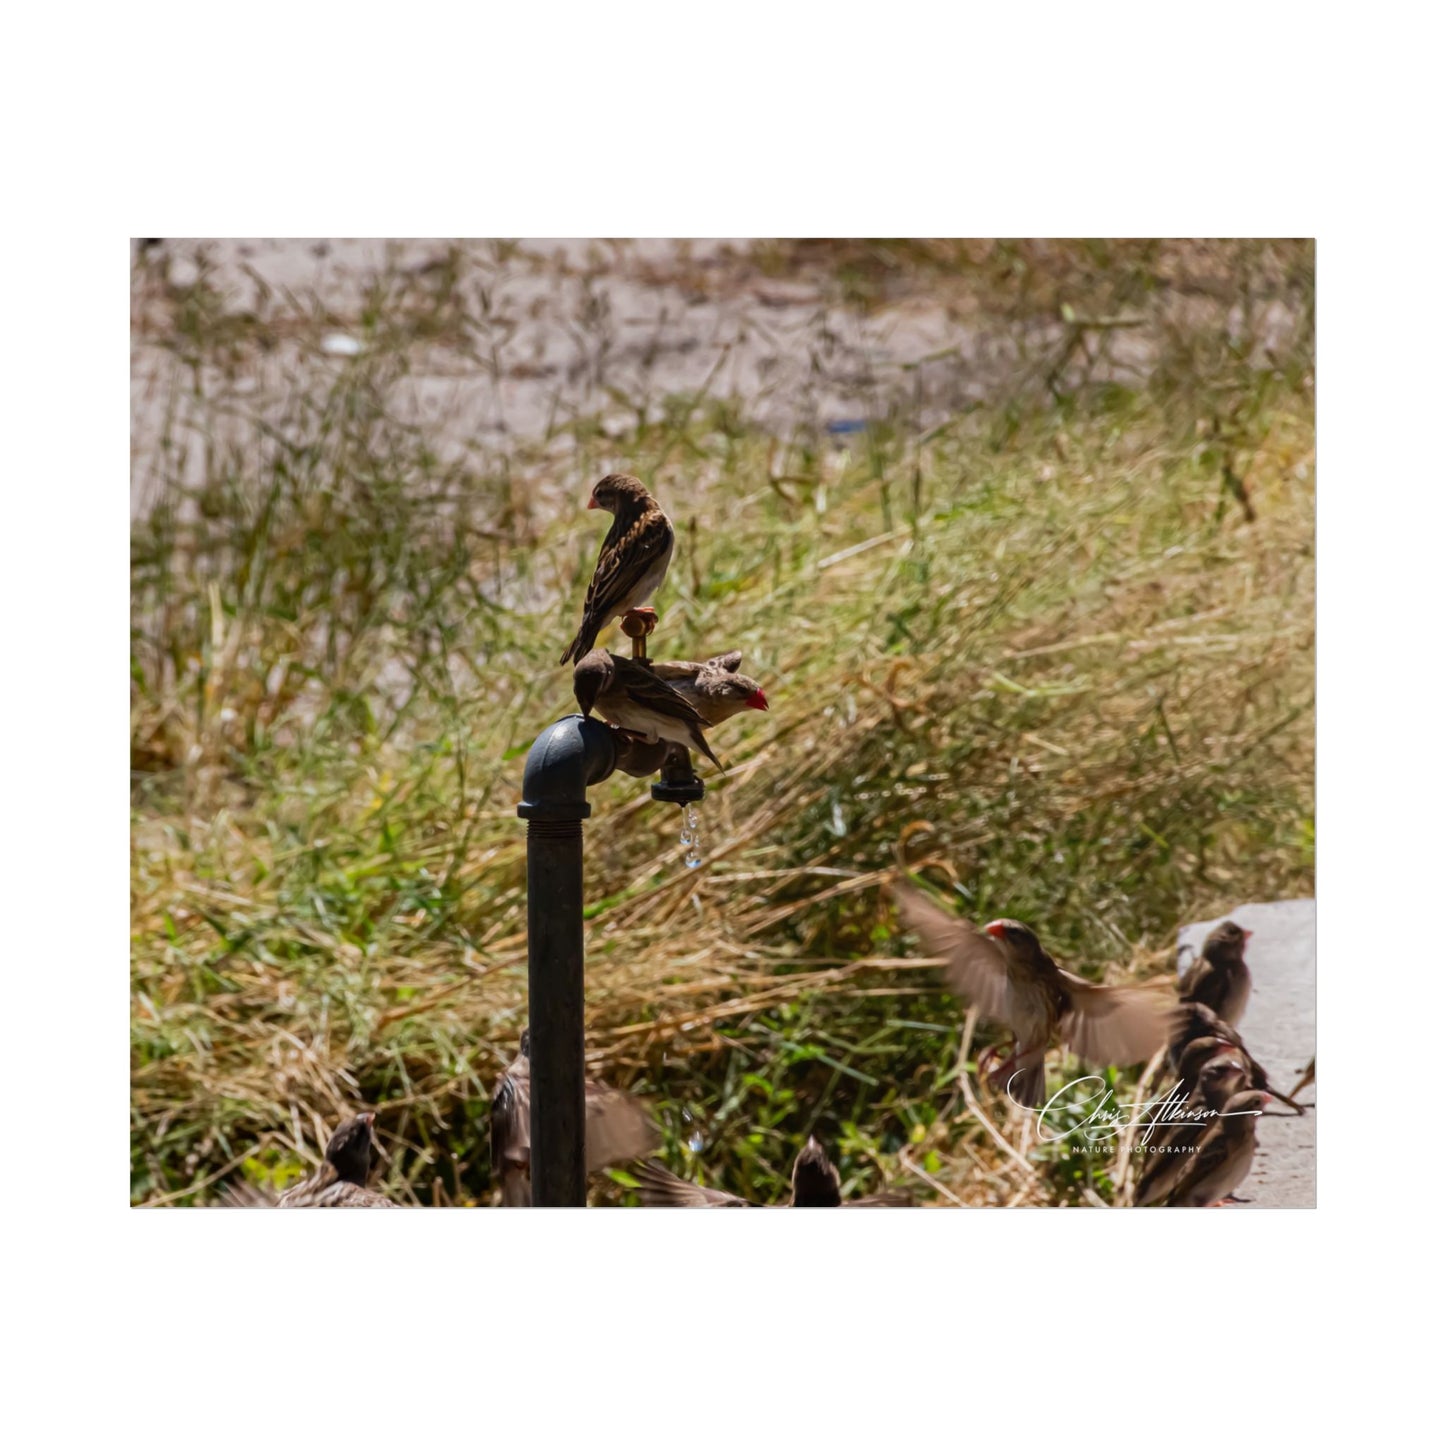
x=632, y=563
x=631, y=696
x=340, y=1183
x=816, y=1185
x=617, y=1128
x=715, y=688
x=1219, y=978
x=1003, y=970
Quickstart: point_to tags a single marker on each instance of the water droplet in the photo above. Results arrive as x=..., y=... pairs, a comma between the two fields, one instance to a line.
x=691, y=837
x=695, y=1142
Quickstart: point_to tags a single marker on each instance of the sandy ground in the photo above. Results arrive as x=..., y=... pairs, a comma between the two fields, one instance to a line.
x=553, y=330
x=532, y=334
x=1279, y=1027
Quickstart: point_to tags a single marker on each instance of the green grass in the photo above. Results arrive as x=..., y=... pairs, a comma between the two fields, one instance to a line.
x=1037, y=653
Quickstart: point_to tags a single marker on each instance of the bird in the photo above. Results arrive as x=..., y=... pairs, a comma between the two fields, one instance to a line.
x=631, y=696
x=1224, y=1158
x=617, y=1127
x=1195, y=1021
x=1175, y=1144
x=632, y=563
x=715, y=688
x=815, y=1185
x=1219, y=977
x=340, y=1183
x=1306, y=1078
x=1200, y=1052
x=1003, y=969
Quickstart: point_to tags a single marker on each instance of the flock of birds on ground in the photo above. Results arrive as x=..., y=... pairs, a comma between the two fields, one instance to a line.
x=1205, y=1132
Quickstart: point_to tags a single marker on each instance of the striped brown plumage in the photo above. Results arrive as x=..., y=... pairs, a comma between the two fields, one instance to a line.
x=1224, y=1158
x=631, y=695
x=633, y=560
x=340, y=1183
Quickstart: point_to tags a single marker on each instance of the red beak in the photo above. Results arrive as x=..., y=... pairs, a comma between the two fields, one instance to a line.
x=1248, y=934
x=995, y=930
x=368, y=1119
x=591, y=504
x=757, y=700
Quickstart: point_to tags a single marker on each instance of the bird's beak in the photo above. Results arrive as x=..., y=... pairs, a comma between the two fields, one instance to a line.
x=1248, y=934
x=591, y=504
x=757, y=700
x=995, y=930
x=368, y=1119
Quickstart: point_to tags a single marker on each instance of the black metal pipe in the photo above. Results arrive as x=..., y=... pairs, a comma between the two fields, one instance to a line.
x=565, y=760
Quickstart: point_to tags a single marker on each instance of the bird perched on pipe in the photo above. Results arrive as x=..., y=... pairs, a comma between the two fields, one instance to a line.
x=815, y=1185
x=1175, y=1145
x=715, y=688
x=340, y=1183
x=1224, y=1158
x=631, y=696
x=632, y=563
x=617, y=1128
x=1004, y=971
x=1219, y=978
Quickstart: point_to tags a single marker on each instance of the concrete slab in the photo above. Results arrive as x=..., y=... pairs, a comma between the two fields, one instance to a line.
x=1279, y=1027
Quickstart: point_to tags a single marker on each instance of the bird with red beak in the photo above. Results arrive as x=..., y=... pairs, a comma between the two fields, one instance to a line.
x=715, y=688
x=1003, y=970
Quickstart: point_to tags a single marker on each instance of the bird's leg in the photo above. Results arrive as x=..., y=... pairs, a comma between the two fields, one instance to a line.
x=990, y=1065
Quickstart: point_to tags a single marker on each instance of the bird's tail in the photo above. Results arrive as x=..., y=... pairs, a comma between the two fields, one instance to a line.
x=1025, y=1086
x=584, y=642
x=700, y=743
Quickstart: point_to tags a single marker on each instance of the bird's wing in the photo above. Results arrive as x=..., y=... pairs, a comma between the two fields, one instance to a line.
x=1195, y=981
x=1112, y=1024
x=326, y=1191
x=1213, y=1155
x=307, y=1193
x=242, y=1194
x=342, y=1195
x=645, y=689
x=662, y=1189
x=976, y=967
x=512, y=1119
x=1163, y=1171
x=888, y=1199
x=627, y=552
x=617, y=1127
